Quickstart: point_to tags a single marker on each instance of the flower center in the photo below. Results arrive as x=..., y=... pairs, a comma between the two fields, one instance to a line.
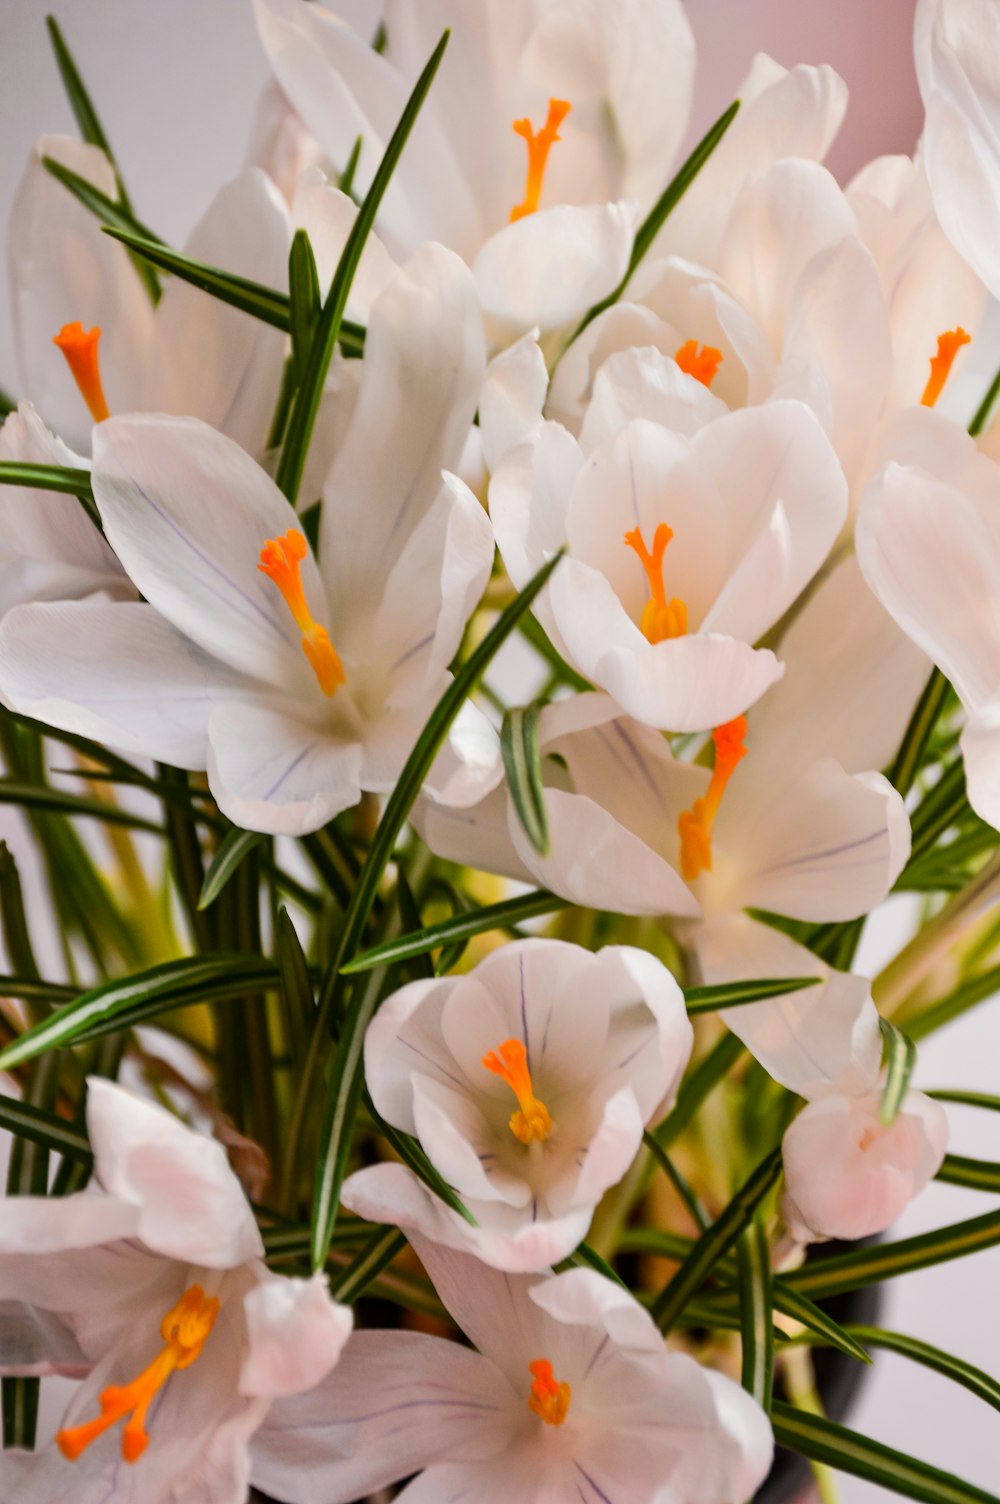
x=660, y=618
x=548, y=1400
x=280, y=560
x=532, y=1119
x=540, y=144
x=701, y=363
x=184, y=1330
x=79, y=346
x=948, y=345
x=695, y=824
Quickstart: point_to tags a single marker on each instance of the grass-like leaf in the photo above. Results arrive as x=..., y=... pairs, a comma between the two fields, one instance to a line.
x=942, y=1010
x=131, y=1000
x=66, y=479
x=305, y=300
x=916, y=738
x=233, y=847
x=733, y=994
x=35, y=796
x=344, y=1085
x=303, y=415
x=868, y=1266
x=967, y=1098
x=976, y=1174
x=460, y=927
x=385, y=1244
x=756, y=1311
x=111, y=212
x=523, y=764
x=54, y=1133
x=900, y=1058
x=966, y=1374
x=412, y=1155
x=663, y=208
x=715, y=1241
x=824, y=1441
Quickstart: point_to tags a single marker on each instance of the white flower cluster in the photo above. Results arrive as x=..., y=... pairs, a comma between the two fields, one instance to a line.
x=729, y=426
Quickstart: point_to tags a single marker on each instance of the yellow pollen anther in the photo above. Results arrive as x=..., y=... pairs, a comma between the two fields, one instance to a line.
x=280, y=560
x=701, y=364
x=695, y=824
x=948, y=345
x=510, y=1063
x=548, y=1400
x=79, y=346
x=540, y=143
x=184, y=1330
x=660, y=618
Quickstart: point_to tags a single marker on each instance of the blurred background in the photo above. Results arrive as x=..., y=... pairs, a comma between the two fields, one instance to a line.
x=176, y=85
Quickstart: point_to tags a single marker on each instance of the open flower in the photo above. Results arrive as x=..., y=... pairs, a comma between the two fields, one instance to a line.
x=570, y=1395
x=681, y=551
x=528, y=1083
x=548, y=128
x=296, y=684
x=192, y=355
x=152, y=1286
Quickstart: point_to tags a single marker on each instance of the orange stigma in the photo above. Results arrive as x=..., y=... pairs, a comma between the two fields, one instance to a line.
x=548, y=1400
x=948, y=345
x=532, y=1119
x=79, y=346
x=660, y=618
x=695, y=824
x=280, y=560
x=701, y=363
x=184, y=1330
x=539, y=145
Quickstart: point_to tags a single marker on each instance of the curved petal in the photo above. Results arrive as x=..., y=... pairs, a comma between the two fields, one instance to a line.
x=410, y=423
x=645, y=383
x=529, y=497
x=981, y=754
x=512, y=402
x=548, y=268
x=191, y=1206
x=964, y=173
x=63, y=269
x=295, y=1334
x=212, y=361
x=119, y=674
x=328, y=216
x=270, y=771
x=187, y=511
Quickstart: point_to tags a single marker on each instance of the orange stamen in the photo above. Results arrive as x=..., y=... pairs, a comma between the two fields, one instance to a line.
x=280, y=560
x=695, y=824
x=185, y=1330
x=539, y=146
x=548, y=1400
x=701, y=363
x=660, y=618
x=510, y=1063
x=948, y=345
x=79, y=346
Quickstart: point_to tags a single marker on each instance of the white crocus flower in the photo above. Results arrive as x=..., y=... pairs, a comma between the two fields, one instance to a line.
x=928, y=540
x=192, y=355
x=568, y=1395
x=586, y=1049
x=848, y=1174
x=681, y=551
x=957, y=44
x=548, y=129
x=296, y=684
x=152, y=1286
x=49, y=548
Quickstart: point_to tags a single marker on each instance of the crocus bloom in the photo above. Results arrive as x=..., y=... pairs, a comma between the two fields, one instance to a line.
x=956, y=43
x=528, y=1083
x=569, y=1395
x=681, y=551
x=192, y=355
x=548, y=128
x=152, y=1286
x=792, y=818
x=296, y=684
x=929, y=543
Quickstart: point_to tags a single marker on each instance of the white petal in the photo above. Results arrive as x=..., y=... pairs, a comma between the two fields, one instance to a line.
x=271, y=771
x=212, y=361
x=529, y=496
x=410, y=423
x=964, y=172
x=188, y=512
x=295, y=1333
x=813, y=1041
x=117, y=673
x=645, y=383
x=548, y=268
x=191, y=1206
x=981, y=753
x=513, y=398
x=328, y=216
x=37, y=1226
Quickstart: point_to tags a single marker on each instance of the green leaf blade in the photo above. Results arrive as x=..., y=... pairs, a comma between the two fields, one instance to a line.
x=233, y=848
x=523, y=765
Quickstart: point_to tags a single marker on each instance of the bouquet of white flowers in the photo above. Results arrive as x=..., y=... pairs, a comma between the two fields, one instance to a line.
x=482, y=630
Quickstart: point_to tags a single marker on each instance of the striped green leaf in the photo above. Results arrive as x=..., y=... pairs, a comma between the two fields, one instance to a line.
x=974, y=1379
x=900, y=1058
x=733, y=994
x=233, y=847
x=44, y=1128
x=523, y=764
x=460, y=927
x=756, y=1311
x=384, y=1245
